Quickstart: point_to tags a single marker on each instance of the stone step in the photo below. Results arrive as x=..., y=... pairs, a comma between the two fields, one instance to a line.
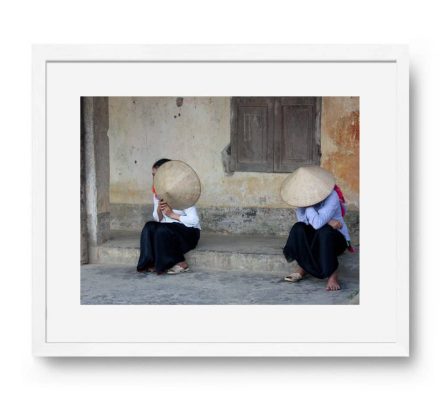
x=217, y=252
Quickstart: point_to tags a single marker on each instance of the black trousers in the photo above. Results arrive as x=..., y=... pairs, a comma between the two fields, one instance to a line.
x=163, y=245
x=316, y=251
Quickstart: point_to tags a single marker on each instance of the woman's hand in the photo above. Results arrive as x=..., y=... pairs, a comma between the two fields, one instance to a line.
x=167, y=210
x=335, y=224
x=164, y=208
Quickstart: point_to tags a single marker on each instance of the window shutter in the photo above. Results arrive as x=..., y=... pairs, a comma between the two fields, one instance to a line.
x=252, y=128
x=297, y=132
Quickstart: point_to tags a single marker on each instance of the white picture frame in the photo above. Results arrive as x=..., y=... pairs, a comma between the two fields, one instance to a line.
x=378, y=326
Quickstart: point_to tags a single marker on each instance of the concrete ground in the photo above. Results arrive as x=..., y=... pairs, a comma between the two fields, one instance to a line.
x=118, y=284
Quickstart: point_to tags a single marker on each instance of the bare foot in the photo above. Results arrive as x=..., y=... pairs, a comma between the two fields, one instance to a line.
x=300, y=270
x=332, y=283
x=183, y=264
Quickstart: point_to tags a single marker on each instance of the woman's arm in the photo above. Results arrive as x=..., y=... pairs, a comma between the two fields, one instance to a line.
x=190, y=218
x=300, y=213
x=321, y=217
x=157, y=214
x=165, y=209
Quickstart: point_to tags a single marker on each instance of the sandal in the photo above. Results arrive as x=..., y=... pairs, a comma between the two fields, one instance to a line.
x=177, y=269
x=294, y=277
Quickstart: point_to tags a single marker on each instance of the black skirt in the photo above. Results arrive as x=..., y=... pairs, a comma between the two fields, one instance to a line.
x=316, y=251
x=163, y=245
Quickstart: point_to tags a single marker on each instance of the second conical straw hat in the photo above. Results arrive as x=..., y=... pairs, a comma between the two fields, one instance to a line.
x=307, y=186
x=178, y=184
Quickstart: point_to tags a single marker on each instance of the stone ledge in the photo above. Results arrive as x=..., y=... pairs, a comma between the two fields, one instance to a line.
x=226, y=220
x=218, y=252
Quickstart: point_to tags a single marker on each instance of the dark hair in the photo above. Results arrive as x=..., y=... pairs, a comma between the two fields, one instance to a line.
x=160, y=162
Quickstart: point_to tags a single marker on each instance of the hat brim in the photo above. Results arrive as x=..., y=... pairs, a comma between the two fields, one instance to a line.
x=177, y=184
x=307, y=186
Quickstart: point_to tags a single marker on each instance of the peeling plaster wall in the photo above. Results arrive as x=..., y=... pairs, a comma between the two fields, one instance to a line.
x=340, y=143
x=144, y=129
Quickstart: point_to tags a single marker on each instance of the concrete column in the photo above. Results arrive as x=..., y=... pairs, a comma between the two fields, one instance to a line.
x=84, y=254
x=95, y=209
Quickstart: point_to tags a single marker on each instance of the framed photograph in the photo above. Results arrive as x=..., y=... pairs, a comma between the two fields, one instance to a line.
x=220, y=200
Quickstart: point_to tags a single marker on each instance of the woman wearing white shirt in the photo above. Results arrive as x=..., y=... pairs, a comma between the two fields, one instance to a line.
x=165, y=240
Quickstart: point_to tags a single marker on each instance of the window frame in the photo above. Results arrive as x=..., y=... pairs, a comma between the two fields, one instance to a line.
x=274, y=160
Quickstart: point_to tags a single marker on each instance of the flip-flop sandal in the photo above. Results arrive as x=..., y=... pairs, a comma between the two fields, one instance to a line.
x=177, y=269
x=294, y=277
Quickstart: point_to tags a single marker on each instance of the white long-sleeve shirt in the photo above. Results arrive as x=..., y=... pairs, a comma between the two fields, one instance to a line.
x=320, y=214
x=188, y=216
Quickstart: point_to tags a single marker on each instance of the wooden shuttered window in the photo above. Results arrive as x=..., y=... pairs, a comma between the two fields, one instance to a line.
x=274, y=134
x=252, y=127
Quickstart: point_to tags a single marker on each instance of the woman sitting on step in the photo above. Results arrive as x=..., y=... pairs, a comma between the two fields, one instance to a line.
x=176, y=226
x=321, y=234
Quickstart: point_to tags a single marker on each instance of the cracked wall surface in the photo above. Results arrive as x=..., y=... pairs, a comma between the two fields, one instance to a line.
x=196, y=130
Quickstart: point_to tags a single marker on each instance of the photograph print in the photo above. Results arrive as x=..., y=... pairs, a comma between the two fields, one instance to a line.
x=220, y=200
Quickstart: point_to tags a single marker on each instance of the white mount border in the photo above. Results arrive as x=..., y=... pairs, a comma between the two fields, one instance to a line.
x=42, y=54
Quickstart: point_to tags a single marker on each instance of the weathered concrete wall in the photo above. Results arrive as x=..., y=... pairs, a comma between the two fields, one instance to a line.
x=262, y=221
x=340, y=143
x=144, y=129
x=95, y=171
x=84, y=253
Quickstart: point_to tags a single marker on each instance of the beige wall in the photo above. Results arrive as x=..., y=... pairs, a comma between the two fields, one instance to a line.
x=142, y=130
x=340, y=143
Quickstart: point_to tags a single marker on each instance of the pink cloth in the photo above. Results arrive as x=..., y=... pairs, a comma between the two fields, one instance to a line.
x=342, y=200
x=343, y=211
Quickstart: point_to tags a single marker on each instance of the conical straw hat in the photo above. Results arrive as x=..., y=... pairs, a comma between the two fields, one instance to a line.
x=178, y=184
x=307, y=186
